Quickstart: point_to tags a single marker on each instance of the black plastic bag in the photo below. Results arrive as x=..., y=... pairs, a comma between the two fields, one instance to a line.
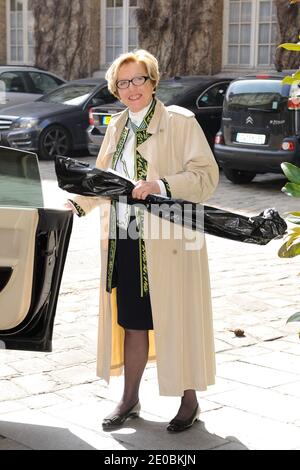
x=79, y=178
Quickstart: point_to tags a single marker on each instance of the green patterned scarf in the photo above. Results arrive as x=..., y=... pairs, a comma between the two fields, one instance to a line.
x=141, y=167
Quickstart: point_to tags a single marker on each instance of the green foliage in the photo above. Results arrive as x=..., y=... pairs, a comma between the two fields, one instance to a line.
x=291, y=189
x=292, y=172
x=291, y=245
x=290, y=46
x=290, y=79
x=295, y=317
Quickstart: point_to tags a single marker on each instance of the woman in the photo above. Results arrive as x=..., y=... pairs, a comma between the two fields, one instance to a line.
x=153, y=286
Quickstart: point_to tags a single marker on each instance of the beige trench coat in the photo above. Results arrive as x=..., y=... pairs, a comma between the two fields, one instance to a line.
x=178, y=272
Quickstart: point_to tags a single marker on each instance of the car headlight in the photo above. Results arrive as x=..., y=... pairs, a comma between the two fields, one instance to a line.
x=24, y=123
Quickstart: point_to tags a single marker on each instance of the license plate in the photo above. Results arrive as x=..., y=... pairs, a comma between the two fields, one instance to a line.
x=104, y=120
x=259, y=139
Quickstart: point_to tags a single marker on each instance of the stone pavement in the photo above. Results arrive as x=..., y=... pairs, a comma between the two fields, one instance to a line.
x=55, y=401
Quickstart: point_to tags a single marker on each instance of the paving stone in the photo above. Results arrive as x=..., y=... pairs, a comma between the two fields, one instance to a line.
x=10, y=390
x=6, y=371
x=246, y=373
x=43, y=400
x=34, y=365
x=251, y=431
x=73, y=375
x=68, y=358
x=266, y=403
x=36, y=383
x=289, y=389
x=11, y=405
x=280, y=361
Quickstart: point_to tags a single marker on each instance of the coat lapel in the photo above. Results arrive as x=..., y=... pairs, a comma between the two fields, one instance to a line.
x=156, y=125
x=115, y=134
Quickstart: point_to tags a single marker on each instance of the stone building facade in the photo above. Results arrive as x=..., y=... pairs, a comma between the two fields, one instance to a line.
x=79, y=38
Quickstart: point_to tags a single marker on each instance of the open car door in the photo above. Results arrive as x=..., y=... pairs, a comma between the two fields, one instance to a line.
x=33, y=248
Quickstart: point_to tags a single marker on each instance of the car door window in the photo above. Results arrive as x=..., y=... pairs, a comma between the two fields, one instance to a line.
x=43, y=83
x=13, y=81
x=102, y=97
x=20, y=182
x=213, y=97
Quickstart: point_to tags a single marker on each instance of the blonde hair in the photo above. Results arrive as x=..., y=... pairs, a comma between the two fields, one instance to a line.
x=140, y=56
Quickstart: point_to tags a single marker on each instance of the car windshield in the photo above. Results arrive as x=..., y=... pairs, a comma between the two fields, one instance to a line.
x=73, y=95
x=167, y=92
x=265, y=95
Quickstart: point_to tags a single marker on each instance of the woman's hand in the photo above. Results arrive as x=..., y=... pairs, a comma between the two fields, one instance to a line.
x=69, y=206
x=144, y=188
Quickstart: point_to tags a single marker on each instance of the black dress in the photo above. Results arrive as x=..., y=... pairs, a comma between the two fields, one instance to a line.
x=134, y=311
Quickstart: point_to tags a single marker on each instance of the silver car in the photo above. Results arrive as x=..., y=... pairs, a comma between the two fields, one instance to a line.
x=22, y=84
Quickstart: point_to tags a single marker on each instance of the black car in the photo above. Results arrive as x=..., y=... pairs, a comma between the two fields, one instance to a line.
x=56, y=123
x=201, y=94
x=20, y=84
x=260, y=127
x=33, y=246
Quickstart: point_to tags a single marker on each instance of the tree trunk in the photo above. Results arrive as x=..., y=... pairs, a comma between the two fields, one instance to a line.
x=289, y=29
x=62, y=36
x=181, y=34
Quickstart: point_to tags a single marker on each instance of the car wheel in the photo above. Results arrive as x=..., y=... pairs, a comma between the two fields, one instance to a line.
x=238, y=176
x=54, y=140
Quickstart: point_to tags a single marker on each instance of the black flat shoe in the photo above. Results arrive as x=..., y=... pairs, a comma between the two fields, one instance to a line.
x=179, y=425
x=119, y=418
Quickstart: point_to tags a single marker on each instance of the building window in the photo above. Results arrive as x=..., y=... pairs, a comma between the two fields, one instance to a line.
x=20, y=40
x=267, y=33
x=120, y=26
x=250, y=30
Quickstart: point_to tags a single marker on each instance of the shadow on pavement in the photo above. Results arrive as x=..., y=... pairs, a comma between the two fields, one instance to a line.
x=152, y=435
x=24, y=436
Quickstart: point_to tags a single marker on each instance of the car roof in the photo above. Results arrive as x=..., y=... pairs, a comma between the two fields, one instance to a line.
x=192, y=80
x=88, y=81
x=265, y=76
x=22, y=67
x=28, y=68
x=195, y=79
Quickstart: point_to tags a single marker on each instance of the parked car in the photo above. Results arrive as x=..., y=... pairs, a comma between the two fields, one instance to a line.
x=260, y=127
x=201, y=94
x=56, y=123
x=20, y=84
x=33, y=246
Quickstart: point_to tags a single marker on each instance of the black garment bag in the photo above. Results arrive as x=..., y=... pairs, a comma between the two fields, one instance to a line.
x=79, y=178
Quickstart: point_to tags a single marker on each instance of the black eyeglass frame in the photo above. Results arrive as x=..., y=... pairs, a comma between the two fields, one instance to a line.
x=145, y=77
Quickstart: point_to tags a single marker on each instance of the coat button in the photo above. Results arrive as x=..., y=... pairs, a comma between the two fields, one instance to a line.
x=175, y=252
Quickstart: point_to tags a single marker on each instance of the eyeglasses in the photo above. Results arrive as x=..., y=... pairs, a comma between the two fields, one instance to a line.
x=136, y=81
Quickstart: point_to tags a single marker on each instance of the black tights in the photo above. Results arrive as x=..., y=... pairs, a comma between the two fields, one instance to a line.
x=136, y=349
